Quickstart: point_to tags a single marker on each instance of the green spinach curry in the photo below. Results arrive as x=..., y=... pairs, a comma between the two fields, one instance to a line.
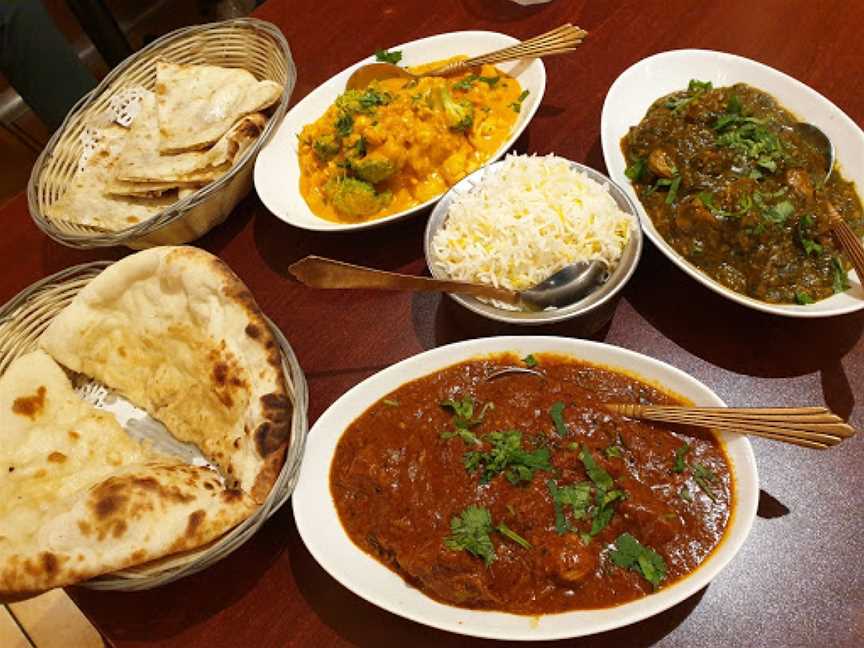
x=524, y=494
x=738, y=192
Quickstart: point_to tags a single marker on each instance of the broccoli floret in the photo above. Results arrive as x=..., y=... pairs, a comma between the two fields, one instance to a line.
x=373, y=168
x=459, y=114
x=351, y=102
x=325, y=147
x=354, y=197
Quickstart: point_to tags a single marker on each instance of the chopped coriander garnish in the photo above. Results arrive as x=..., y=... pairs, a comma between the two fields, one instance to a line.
x=517, y=105
x=629, y=553
x=779, y=212
x=576, y=496
x=463, y=433
x=344, y=125
x=507, y=456
x=463, y=411
x=530, y=361
x=673, y=190
x=803, y=298
x=470, y=532
x=679, y=458
x=684, y=494
x=504, y=530
x=703, y=477
x=695, y=89
x=388, y=57
x=602, y=479
x=805, y=224
x=468, y=82
x=841, y=279
x=635, y=170
x=557, y=414
x=613, y=451
x=391, y=402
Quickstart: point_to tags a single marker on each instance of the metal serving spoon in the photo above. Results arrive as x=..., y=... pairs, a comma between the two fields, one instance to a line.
x=848, y=240
x=558, y=41
x=562, y=288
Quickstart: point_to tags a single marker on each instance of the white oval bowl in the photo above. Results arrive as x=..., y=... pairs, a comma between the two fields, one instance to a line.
x=322, y=532
x=277, y=169
x=641, y=84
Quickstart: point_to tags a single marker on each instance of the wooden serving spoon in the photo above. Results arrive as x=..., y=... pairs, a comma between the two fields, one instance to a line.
x=809, y=427
x=558, y=41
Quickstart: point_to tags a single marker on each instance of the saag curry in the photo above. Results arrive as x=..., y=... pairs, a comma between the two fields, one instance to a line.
x=739, y=192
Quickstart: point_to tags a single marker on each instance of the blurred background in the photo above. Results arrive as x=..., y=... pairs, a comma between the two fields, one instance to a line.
x=100, y=33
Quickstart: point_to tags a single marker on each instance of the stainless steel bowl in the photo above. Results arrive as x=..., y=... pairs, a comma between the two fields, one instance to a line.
x=582, y=308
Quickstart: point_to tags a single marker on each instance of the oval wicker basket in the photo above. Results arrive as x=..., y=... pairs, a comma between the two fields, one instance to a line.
x=28, y=314
x=247, y=43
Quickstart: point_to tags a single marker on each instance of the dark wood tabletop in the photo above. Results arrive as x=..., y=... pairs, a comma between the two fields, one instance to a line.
x=799, y=579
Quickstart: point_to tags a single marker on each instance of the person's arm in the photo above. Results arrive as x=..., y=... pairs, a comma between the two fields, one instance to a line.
x=38, y=61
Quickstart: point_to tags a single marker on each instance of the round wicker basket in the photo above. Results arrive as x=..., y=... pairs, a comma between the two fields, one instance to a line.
x=28, y=314
x=247, y=43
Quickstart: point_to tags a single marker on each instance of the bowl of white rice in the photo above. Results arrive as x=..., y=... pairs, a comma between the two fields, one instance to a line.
x=518, y=221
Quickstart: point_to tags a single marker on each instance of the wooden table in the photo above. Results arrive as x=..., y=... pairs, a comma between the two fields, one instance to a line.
x=798, y=581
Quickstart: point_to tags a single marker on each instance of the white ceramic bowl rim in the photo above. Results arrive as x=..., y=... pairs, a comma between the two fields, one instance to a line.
x=635, y=89
x=319, y=526
x=277, y=167
x=613, y=285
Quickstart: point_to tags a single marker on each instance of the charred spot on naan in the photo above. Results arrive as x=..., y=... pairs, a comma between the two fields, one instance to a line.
x=273, y=433
x=30, y=406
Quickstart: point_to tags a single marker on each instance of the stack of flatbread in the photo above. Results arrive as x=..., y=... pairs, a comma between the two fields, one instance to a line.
x=175, y=332
x=187, y=134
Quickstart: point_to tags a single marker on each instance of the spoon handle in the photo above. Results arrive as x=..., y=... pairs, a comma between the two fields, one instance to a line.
x=558, y=41
x=318, y=272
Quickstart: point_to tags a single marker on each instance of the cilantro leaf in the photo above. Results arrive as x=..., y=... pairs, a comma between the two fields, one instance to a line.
x=507, y=456
x=841, y=279
x=602, y=479
x=530, y=361
x=388, y=57
x=684, y=494
x=603, y=514
x=469, y=531
x=506, y=531
x=463, y=433
x=629, y=553
x=576, y=496
x=344, y=125
x=704, y=477
x=673, y=190
x=516, y=106
x=635, y=170
x=679, y=458
x=613, y=451
x=557, y=414
x=805, y=224
x=803, y=298
x=463, y=417
x=779, y=212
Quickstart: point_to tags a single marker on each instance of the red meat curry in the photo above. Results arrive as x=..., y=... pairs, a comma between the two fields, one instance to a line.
x=523, y=494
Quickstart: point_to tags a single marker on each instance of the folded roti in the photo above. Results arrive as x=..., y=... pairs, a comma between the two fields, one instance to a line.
x=140, y=161
x=82, y=498
x=178, y=334
x=197, y=104
x=86, y=201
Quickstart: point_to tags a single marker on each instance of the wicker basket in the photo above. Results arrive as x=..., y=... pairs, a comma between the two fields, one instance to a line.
x=27, y=315
x=247, y=43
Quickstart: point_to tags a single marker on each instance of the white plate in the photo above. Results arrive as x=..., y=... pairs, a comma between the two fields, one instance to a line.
x=277, y=169
x=319, y=526
x=641, y=84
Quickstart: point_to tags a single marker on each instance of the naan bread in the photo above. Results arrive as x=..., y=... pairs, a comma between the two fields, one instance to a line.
x=86, y=201
x=197, y=104
x=141, y=162
x=179, y=335
x=81, y=498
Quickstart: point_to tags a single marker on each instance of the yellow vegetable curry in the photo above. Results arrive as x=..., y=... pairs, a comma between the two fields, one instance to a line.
x=400, y=142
